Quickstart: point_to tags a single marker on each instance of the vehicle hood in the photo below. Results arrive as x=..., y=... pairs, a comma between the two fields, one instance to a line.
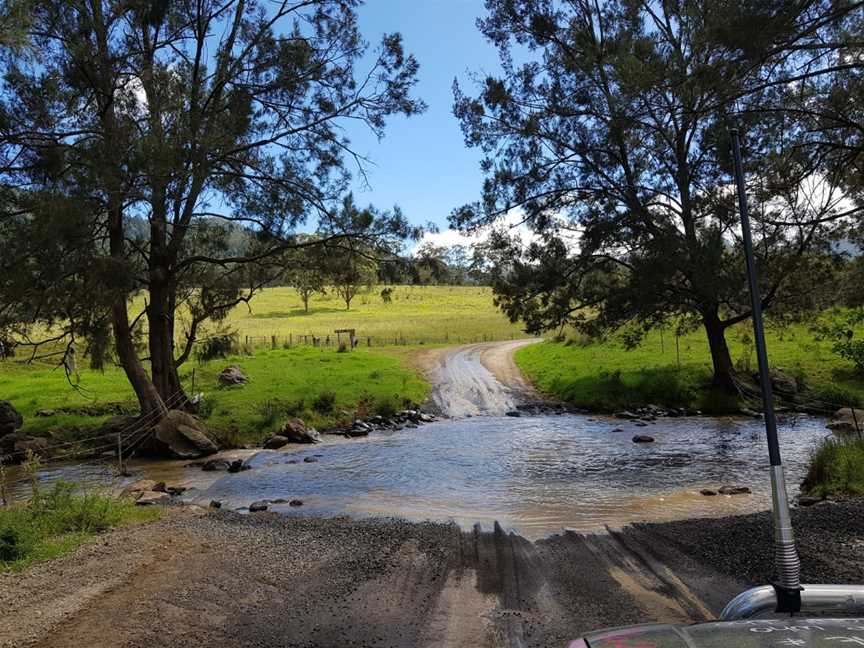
x=783, y=633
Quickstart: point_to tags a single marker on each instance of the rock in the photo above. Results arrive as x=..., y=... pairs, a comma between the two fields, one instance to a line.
x=182, y=436
x=630, y=416
x=276, y=442
x=257, y=507
x=708, y=492
x=44, y=413
x=514, y=413
x=215, y=504
x=149, y=498
x=310, y=460
x=643, y=438
x=237, y=466
x=617, y=429
x=216, y=464
x=295, y=502
x=783, y=383
x=16, y=445
x=141, y=486
x=232, y=375
x=734, y=490
x=356, y=432
x=426, y=418
x=295, y=430
x=808, y=500
x=175, y=491
x=844, y=421
x=641, y=424
x=10, y=418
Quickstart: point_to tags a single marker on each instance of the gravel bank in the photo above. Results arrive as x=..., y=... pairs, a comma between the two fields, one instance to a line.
x=222, y=579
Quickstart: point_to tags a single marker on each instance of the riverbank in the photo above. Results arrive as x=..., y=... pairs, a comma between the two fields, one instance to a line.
x=321, y=386
x=223, y=579
x=607, y=377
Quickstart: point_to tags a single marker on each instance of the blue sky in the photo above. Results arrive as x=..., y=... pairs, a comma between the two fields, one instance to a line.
x=422, y=163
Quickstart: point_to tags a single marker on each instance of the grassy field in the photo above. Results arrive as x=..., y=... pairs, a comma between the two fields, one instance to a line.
x=416, y=315
x=56, y=522
x=837, y=467
x=321, y=386
x=606, y=376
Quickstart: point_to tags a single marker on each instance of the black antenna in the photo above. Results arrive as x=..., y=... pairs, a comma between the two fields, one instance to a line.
x=788, y=564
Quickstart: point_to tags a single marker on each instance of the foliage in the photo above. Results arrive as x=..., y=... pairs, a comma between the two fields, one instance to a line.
x=58, y=521
x=611, y=133
x=836, y=467
x=608, y=376
x=240, y=104
x=216, y=346
x=324, y=402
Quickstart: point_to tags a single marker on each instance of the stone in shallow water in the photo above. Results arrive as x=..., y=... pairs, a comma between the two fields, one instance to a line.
x=257, y=507
x=643, y=438
x=734, y=490
x=708, y=492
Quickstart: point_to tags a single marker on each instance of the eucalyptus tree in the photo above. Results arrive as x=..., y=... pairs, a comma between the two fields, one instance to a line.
x=607, y=133
x=179, y=114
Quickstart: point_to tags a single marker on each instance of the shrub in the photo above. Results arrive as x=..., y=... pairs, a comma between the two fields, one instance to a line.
x=218, y=346
x=11, y=547
x=829, y=395
x=386, y=407
x=325, y=402
x=836, y=466
x=851, y=350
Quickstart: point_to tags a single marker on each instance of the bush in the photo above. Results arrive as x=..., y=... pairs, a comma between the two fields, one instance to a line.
x=219, y=346
x=851, y=350
x=11, y=548
x=325, y=402
x=386, y=407
x=836, y=467
x=832, y=396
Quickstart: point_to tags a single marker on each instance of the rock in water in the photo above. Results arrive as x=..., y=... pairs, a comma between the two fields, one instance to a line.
x=216, y=464
x=182, y=436
x=295, y=430
x=232, y=376
x=845, y=421
x=708, y=492
x=10, y=418
x=734, y=490
x=276, y=442
x=16, y=446
x=643, y=438
x=149, y=498
x=257, y=507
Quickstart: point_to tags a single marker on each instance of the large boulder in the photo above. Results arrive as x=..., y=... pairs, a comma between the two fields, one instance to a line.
x=10, y=418
x=845, y=421
x=15, y=446
x=232, y=376
x=276, y=442
x=181, y=436
x=295, y=430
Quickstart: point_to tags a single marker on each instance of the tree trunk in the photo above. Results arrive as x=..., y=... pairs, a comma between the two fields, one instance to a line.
x=724, y=370
x=160, y=318
x=148, y=397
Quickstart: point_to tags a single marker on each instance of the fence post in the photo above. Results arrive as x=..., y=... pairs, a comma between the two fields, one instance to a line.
x=290, y=339
x=272, y=341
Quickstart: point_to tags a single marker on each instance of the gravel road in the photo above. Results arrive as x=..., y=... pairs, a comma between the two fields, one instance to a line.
x=223, y=579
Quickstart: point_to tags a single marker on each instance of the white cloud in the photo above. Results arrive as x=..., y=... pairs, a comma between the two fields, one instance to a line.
x=512, y=221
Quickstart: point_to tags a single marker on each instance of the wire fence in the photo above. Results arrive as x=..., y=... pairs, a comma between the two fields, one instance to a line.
x=334, y=340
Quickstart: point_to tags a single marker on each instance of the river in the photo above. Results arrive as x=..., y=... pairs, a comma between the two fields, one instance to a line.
x=534, y=474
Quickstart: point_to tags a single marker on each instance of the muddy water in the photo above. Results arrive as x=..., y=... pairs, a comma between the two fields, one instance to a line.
x=533, y=474
x=536, y=475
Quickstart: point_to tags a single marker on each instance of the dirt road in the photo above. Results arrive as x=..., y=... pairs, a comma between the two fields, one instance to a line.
x=224, y=580
x=475, y=379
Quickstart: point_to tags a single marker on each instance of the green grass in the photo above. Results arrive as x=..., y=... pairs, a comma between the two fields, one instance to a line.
x=320, y=386
x=607, y=376
x=56, y=522
x=836, y=468
x=417, y=315
x=282, y=383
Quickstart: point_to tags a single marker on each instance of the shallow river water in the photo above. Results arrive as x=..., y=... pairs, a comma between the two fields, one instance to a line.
x=536, y=475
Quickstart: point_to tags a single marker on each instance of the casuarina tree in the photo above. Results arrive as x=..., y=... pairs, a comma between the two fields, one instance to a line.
x=607, y=133
x=178, y=115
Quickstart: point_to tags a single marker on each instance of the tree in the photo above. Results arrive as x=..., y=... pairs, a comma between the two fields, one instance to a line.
x=354, y=264
x=180, y=114
x=611, y=144
x=307, y=270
